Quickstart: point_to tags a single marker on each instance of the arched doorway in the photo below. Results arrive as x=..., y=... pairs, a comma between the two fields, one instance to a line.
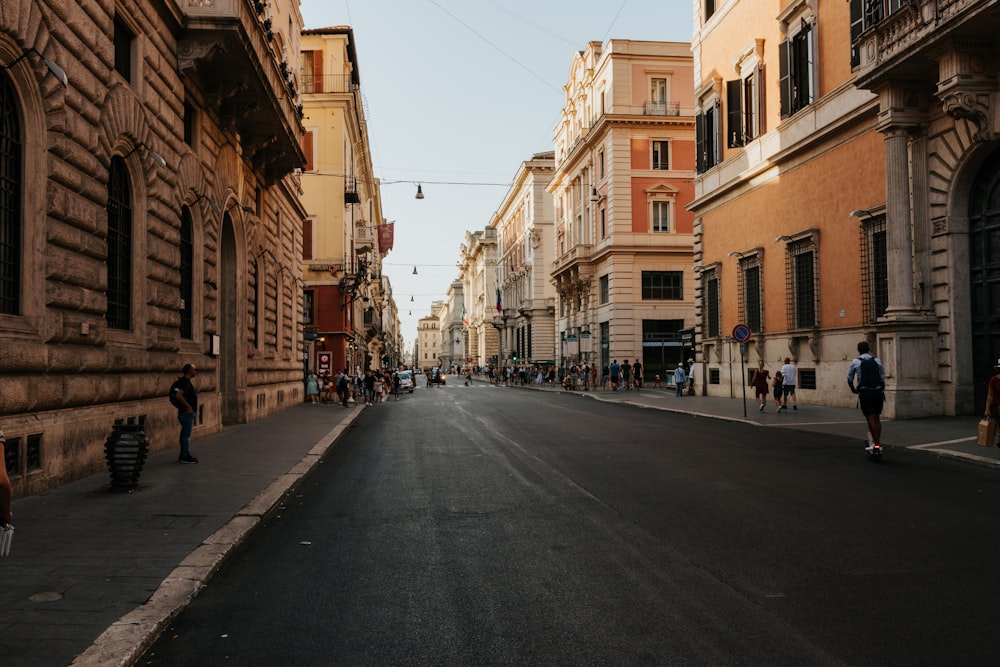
x=984, y=273
x=228, y=367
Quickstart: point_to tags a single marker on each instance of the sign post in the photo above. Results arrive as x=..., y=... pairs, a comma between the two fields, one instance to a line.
x=741, y=333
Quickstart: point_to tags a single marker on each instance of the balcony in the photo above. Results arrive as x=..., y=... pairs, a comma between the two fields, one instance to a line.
x=226, y=52
x=661, y=108
x=892, y=39
x=327, y=84
x=578, y=254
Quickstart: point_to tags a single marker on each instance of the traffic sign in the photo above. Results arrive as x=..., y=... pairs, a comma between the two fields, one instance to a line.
x=741, y=333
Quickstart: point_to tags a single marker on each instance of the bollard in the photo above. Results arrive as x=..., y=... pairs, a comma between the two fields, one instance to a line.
x=125, y=450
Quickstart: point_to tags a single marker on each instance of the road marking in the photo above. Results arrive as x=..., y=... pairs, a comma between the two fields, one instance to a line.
x=942, y=443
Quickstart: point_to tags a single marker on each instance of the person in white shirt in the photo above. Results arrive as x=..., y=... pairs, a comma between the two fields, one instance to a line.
x=788, y=389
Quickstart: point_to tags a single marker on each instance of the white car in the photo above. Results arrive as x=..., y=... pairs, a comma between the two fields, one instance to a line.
x=406, y=381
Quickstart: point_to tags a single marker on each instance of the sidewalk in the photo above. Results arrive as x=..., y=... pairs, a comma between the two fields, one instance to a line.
x=97, y=575
x=953, y=437
x=92, y=568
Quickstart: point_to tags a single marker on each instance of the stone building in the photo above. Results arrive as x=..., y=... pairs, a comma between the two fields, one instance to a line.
x=847, y=157
x=150, y=218
x=343, y=242
x=525, y=237
x=477, y=269
x=624, y=171
x=429, y=339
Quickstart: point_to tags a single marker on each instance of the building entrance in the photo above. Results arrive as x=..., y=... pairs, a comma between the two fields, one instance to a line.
x=984, y=274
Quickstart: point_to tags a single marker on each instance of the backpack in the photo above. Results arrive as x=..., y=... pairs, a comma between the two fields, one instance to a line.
x=869, y=376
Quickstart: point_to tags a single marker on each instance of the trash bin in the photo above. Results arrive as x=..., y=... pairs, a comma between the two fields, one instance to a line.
x=125, y=450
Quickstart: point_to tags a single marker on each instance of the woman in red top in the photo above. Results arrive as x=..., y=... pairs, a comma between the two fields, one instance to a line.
x=761, y=383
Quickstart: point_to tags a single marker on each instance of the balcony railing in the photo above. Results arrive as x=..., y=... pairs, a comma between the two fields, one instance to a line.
x=326, y=83
x=661, y=108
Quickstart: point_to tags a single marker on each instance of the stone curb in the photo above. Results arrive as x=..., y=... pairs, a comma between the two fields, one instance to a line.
x=123, y=643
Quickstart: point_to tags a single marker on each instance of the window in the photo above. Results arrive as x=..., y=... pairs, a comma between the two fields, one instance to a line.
x=750, y=311
x=712, y=306
x=603, y=282
x=795, y=66
x=190, y=116
x=801, y=275
x=307, y=238
x=124, y=38
x=657, y=105
x=874, y=268
x=311, y=74
x=662, y=285
x=603, y=222
x=661, y=215
x=864, y=15
x=119, y=294
x=661, y=155
x=187, y=271
x=743, y=109
x=600, y=164
x=254, y=305
x=709, y=9
x=11, y=225
x=707, y=137
x=307, y=307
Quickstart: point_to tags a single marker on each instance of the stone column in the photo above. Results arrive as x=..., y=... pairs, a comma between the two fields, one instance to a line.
x=899, y=239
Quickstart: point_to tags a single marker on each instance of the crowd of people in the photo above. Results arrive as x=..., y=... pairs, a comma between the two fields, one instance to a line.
x=371, y=386
x=583, y=376
x=781, y=386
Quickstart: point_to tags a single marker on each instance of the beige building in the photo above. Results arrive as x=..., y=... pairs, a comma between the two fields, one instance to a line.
x=345, y=309
x=478, y=273
x=524, y=228
x=624, y=170
x=429, y=339
x=151, y=218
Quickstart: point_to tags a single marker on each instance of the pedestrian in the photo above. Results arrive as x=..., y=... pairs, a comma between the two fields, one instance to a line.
x=615, y=370
x=788, y=371
x=370, y=388
x=690, y=373
x=312, y=388
x=396, y=383
x=344, y=388
x=680, y=379
x=761, y=382
x=6, y=495
x=185, y=399
x=871, y=391
x=605, y=377
x=777, y=387
x=993, y=395
x=626, y=375
x=656, y=381
x=637, y=375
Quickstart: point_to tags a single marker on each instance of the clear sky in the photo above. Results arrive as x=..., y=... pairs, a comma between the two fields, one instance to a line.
x=458, y=93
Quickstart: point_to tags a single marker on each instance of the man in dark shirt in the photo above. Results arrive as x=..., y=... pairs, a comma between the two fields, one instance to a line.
x=185, y=399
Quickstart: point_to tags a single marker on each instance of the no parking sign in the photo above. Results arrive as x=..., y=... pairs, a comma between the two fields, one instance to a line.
x=741, y=333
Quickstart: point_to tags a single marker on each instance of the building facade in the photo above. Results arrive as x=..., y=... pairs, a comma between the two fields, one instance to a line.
x=477, y=269
x=840, y=195
x=429, y=339
x=151, y=219
x=524, y=228
x=624, y=154
x=343, y=232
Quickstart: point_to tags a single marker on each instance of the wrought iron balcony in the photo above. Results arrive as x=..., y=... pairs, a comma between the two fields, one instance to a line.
x=661, y=108
x=226, y=52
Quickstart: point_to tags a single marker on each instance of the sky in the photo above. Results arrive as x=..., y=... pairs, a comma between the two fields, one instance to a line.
x=457, y=94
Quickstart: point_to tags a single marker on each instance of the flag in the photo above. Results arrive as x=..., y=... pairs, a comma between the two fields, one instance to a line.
x=385, y=237
x=499, y=303
x=465, y=320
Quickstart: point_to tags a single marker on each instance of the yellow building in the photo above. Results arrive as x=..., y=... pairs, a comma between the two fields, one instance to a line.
x=624, y=171
x=844, y=174
x=342, y=247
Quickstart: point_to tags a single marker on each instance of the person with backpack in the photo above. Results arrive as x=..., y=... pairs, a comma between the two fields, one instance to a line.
x=870, y=390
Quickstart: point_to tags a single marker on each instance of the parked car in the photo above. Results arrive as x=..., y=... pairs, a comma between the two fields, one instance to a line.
x=406, y=381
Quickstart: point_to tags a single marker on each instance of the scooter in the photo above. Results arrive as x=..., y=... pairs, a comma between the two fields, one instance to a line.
x=874, y=451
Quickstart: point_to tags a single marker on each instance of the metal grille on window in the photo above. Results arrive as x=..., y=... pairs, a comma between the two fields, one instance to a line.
x=713, y=309
x=874, y=269
x=801, y=286
x=748, y=278
x=187, y=271
x=10, y=200
x=119, y=314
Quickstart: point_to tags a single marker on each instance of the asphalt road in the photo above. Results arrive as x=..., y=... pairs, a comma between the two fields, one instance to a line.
x=491, y=526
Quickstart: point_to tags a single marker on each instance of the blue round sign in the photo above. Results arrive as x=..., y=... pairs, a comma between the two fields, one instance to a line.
x=741, y=333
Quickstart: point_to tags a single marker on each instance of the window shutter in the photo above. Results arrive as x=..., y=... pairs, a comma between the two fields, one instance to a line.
x=318, y=72
x=699, y=131
x=785, y=79
x=307, y=149
x=734, y=113
x=307, y=239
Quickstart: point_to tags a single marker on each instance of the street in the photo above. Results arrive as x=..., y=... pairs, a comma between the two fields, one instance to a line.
x=483, y=525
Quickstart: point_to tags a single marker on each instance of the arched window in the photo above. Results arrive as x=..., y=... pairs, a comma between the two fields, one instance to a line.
x=119, y=314
x=10, y=200
x=187, y=274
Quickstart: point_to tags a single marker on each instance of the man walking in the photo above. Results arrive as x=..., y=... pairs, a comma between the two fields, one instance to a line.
x=680, y=379
x=870, y=391
x=788, y=372
x=185, y=399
